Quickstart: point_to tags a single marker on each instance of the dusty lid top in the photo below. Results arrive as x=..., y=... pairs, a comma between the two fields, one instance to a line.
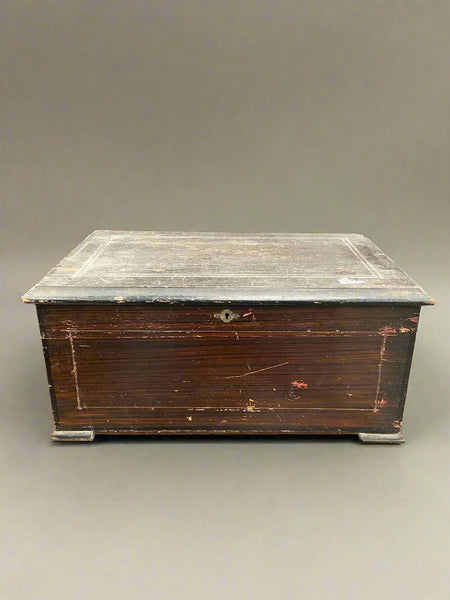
x=148, y=266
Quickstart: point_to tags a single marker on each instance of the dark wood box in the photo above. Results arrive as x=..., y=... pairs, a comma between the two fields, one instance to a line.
x=214, y=333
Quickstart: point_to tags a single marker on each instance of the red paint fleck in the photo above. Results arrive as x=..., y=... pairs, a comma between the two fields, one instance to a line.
x=379, y=403
x=388, y=329
x=300, y=383
x=414, y=319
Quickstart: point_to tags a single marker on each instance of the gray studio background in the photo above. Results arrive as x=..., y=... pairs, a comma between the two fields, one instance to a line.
x=240, y=116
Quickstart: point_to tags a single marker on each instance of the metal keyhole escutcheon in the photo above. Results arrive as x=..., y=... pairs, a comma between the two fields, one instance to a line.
x=226, y=315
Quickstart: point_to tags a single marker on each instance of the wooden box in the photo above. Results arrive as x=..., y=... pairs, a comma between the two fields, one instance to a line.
x=216, y=333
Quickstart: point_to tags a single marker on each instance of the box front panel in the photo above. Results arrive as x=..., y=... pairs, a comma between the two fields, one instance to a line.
x=268, y=369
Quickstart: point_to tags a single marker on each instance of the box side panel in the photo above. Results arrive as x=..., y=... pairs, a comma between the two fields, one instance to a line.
x=48, y=362
x=295, y=369
x=408, y=353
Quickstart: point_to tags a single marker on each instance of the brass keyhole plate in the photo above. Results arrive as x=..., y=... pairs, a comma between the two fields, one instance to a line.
x=226, y=315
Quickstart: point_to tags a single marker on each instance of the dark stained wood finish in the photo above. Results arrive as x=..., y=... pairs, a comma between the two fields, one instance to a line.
x=281, y=368
x=182, y=332
x=156, y=266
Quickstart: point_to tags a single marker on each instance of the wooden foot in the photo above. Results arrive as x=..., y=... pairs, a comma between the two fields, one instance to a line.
x=382, y=438
x=81, y=435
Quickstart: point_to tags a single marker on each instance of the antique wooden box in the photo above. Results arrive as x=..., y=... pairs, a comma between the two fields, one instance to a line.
x=217, y=333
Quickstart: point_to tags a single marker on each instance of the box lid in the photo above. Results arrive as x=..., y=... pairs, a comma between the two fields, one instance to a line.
x=149, y=266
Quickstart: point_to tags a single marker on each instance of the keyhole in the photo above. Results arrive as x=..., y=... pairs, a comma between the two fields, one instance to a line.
x=226, y=316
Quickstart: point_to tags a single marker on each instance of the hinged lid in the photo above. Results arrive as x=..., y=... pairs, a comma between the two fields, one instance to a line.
x=149, y=266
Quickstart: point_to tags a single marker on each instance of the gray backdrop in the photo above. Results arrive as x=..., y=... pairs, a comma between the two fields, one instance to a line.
x=242, y=116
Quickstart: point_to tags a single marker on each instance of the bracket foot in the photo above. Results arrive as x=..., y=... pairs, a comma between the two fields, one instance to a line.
x=382, y=438
x=82, y=435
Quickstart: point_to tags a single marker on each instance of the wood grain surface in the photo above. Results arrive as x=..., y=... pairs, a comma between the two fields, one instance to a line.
x=267, y=369
x=146, y=266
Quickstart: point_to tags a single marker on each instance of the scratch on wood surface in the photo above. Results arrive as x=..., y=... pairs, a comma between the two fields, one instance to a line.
x=387, y=329
x=250, y=407
x=74, y=370
x=380, y=366
x=347, y=280
x=380, y=403
x=257, y=371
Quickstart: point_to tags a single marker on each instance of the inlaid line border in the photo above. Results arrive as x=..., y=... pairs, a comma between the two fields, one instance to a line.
x=114, y=239
x=362, y=258
x=374, y=409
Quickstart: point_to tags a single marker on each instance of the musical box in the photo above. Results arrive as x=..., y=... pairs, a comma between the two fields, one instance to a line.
x=227, y=333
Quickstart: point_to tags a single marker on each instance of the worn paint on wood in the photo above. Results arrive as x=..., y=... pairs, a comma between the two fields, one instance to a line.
x=278, y=369
x=142, y=266
x=153, y=332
